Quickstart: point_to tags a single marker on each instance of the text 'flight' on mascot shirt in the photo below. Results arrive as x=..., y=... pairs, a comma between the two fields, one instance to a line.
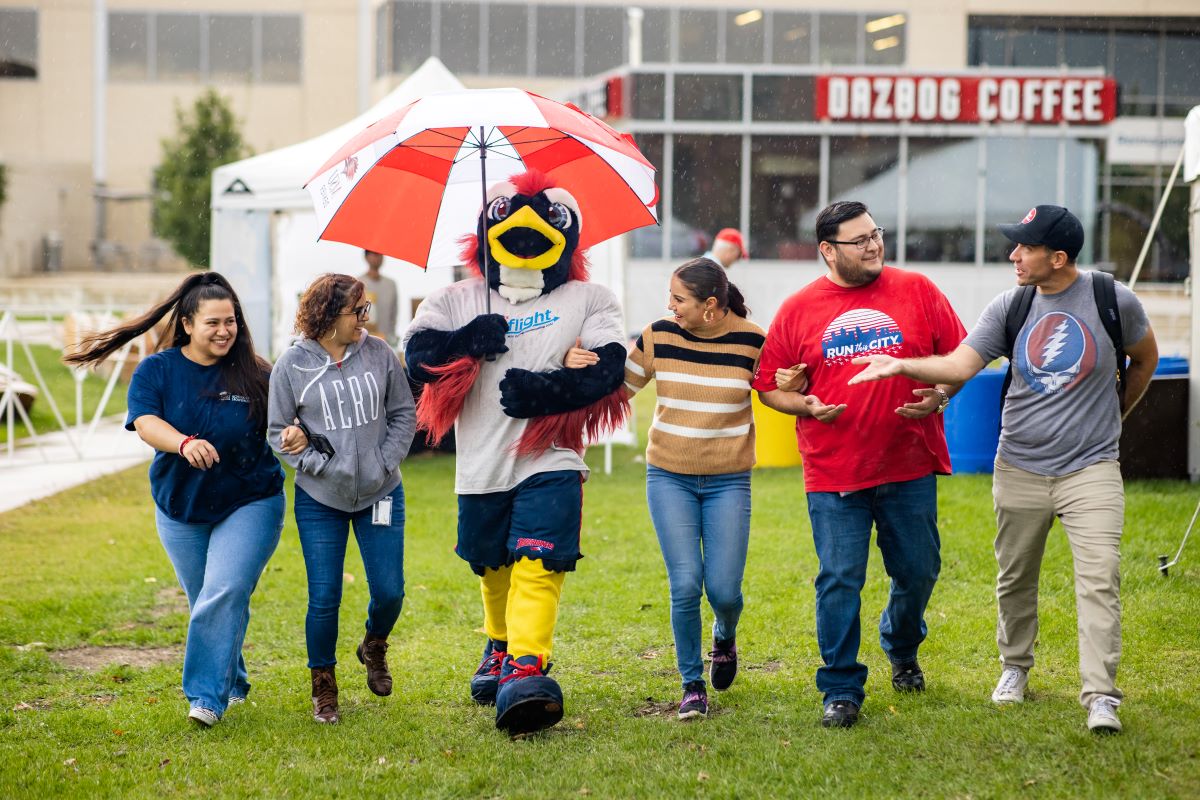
x=826, y=326
x=540, y=331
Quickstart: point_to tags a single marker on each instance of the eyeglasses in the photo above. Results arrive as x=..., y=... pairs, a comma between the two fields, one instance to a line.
x=359, y=311
x=862, y=241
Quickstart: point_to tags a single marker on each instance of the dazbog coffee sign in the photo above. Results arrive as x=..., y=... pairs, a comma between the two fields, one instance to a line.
x=1033, y=100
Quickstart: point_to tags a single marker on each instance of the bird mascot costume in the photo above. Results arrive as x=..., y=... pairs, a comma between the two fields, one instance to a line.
x=521, y=420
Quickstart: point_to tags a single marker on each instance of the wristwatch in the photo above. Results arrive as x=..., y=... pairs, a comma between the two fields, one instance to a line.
x=945, y=399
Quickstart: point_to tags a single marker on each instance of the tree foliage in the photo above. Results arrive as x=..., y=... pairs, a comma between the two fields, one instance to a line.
x=206, y=137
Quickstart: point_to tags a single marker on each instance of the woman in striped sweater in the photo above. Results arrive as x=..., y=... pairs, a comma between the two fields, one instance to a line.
x=701, y=449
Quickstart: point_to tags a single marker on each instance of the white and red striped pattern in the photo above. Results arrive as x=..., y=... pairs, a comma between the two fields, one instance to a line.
x=409, y=185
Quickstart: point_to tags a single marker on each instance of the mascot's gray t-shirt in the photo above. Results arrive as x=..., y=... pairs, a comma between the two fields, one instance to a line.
x=540, y=331
x=1062, y=412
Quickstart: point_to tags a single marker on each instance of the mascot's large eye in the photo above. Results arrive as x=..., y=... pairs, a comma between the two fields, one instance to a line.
x=499, y=209
x=559, y=216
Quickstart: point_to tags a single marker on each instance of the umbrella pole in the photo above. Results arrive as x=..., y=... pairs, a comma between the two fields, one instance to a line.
x=487, y=285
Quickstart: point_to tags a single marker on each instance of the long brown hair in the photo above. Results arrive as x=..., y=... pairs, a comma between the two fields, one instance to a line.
x=242, y=370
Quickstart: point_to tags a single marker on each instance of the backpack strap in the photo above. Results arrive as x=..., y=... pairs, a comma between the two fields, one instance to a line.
x=1018, y=311
x=1110, y=316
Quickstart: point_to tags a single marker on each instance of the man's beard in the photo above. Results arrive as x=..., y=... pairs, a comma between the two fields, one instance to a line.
x=855, y=273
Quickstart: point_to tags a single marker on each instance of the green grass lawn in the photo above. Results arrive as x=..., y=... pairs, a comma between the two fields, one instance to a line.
x=85, y=569
x=61, y=383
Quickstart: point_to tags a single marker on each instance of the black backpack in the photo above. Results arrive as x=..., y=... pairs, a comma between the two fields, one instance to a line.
x=1110, y=317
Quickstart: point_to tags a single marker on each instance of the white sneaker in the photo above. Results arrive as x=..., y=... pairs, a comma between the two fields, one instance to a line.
x=1102, y=716
x=203, y=717
x=1011, y=688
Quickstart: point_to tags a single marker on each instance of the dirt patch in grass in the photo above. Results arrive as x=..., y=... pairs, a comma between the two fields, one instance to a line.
x=94, y=659
x=170, y=600
x=656, y=708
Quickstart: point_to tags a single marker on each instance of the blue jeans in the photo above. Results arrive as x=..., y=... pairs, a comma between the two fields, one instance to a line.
x=218, y=566
x=905, y=518
x=703, y=527
x=324, y=532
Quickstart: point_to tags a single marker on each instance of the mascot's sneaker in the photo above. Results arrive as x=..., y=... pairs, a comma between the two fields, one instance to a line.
x=486, y=679
x=527, y=700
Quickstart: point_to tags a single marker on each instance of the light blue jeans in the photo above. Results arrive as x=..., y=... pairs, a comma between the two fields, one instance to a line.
x=218, y=566
x=703, y=527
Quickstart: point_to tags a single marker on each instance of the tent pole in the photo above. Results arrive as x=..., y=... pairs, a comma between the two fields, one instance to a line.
x=487, y=285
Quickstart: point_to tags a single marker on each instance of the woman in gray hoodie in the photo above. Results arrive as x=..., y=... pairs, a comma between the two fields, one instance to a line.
x=349, y=395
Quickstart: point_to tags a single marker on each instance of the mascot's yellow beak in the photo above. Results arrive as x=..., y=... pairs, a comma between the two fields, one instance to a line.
x=526, y=217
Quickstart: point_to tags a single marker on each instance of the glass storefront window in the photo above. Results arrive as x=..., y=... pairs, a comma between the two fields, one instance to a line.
x=791, y=37
x=987, y=45
x=1021, y=173
x=785, y=178
x=555, y=51
x=697, y=36
x=941, y=199
x=1037, y=47
x=656, y=36
x=866, y=168
x=128, y=46
x=782, y=98
x=604, y=39
x=231, y=47
x=412, y=28
x=708, y=97
x=459, y=34
x=1085, y=48
x=648, y=96
x=647, y=242
x=1183, y=65
x=382, y=28
x=837, y=38
x=508, y=39
x=745, y=36
x=281, y=48
x=1135, y=67
x=886, y=36
x=18, y=43
x=1134, y=190
x=1081, y=172
x=177, y=39
x=706, y=189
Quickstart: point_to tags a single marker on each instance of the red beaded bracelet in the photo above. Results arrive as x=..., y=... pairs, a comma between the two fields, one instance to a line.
x=186, y=439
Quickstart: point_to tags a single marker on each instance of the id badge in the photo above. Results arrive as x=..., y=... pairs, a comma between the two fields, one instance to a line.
x=381, y=512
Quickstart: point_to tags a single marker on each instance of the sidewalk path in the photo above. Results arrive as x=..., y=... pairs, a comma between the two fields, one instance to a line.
x=33, y=473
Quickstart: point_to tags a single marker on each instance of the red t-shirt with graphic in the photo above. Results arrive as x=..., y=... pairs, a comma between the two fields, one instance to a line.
x=825, y=326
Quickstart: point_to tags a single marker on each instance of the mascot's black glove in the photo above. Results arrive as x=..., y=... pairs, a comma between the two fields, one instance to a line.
x=525, y=394
x=482, y=336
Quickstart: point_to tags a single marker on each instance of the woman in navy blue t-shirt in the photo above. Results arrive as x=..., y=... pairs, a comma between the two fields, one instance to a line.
x=217, y=487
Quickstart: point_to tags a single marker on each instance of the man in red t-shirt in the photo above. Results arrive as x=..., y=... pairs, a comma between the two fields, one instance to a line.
x=870, y=454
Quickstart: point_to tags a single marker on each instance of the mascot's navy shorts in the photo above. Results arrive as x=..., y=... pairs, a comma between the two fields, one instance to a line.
x=539, y=518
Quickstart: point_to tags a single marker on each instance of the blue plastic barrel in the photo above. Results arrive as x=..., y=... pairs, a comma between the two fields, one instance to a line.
x=1172, y=365
x=973, y=422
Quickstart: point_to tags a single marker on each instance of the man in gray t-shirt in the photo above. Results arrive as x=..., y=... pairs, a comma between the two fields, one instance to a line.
x=1058, y=447
x=382, y=294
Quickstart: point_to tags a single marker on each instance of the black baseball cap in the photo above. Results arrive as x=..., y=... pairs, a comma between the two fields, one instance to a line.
x=1053, y=226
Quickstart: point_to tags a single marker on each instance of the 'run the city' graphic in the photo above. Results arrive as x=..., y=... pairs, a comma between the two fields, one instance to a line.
x=861, y=332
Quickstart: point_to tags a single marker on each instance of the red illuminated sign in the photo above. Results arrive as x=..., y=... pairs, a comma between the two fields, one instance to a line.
x=1029, y=99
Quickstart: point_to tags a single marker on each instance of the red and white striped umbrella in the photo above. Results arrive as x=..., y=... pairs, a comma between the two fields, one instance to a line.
x=412, y=183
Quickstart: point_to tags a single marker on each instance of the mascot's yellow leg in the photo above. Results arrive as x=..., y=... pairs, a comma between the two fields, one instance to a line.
x=533, y=608
x=495, y=586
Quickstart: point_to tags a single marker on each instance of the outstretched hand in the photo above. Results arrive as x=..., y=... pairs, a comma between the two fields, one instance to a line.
x=823, y=412
x=578, y=358
x=879, y=367
x=929, y=402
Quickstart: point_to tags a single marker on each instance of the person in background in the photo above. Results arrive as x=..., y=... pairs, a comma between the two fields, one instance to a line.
x=217, y=488
x=728, y=248
x=350, y=394
x=382, y=294
x=700, y=451
x=1059, y=444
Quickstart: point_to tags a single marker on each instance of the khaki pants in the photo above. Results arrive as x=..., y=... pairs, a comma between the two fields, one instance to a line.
x=1091, y=505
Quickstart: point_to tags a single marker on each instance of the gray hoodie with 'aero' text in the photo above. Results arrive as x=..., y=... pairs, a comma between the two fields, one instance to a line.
x=362, y=404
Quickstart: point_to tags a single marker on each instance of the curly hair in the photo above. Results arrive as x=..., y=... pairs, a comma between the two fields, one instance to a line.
x=324, y=300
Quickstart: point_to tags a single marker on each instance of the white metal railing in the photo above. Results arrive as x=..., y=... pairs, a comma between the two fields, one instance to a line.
x=21, y=326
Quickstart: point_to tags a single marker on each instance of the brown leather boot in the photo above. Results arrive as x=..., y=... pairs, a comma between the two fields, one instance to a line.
x=324, y=695
x=373, y=654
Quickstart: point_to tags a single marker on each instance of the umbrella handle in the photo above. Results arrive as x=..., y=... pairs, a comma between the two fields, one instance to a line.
x=487, y=285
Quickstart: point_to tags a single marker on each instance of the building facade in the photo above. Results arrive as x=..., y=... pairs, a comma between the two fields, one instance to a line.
x=724, y=98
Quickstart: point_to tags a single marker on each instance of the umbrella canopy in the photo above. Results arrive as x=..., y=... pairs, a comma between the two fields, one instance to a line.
x=412, y=183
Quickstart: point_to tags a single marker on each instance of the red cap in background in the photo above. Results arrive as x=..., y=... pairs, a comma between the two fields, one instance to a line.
x=734, y=237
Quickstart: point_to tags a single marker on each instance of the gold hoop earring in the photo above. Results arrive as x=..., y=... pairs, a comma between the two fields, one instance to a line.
x=708, y=315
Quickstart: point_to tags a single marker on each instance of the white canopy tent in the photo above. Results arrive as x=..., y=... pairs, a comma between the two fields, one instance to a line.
x=1191, y=175
x=264, y=231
